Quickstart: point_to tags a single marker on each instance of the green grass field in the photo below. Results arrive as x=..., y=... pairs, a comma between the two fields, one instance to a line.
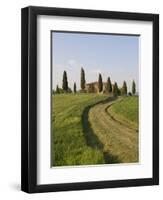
x=127, y=110
x=69, y=145
x=84, y=133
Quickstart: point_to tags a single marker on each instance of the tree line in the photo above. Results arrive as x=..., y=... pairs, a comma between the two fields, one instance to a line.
x=109, y=88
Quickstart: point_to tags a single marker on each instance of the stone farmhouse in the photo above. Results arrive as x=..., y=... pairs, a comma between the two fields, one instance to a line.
x=93, y=87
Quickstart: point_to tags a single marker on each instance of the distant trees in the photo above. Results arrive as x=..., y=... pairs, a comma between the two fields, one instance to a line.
x=100, y=84
x=69, y=90
x=115, y=89
x=133, y=87
x=65, y=82
x=82, y=81
x=108, y=85
x=57, y=90
x=124, y=88
x=74, y=87
x=94, y=87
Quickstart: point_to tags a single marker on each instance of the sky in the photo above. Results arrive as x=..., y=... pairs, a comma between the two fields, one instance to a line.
x=114, y=56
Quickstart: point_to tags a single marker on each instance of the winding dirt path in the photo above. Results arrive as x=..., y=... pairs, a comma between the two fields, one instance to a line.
x=118, y=140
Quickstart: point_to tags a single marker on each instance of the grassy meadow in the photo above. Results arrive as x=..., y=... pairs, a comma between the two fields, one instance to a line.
x=69, y=145
x=83, y=132
x=127, y=110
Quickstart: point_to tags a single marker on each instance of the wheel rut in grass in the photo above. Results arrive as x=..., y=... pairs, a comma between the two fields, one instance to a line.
x=117, y=119
x=116, y=139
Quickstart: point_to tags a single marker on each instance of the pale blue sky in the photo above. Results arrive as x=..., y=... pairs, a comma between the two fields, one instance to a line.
x=114, y=56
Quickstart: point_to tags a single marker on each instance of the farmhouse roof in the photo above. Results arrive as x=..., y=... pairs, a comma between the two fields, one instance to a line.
x=94, y=83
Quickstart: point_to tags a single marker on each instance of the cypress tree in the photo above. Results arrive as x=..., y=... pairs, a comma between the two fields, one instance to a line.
x=100, y=84
x=115, y=89
x=65, y=82
x=57, y=89
x=124, y=88
x=108, y=85
x=82, y=83
x=133, y=87
x=74, y=87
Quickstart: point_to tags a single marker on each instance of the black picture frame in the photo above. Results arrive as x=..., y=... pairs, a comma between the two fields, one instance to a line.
x=29, y=98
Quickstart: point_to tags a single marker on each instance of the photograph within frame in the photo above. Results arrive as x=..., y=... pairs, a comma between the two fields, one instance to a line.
x=78, y=137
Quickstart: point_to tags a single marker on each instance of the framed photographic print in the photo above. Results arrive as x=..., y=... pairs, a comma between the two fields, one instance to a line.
x=90, y=99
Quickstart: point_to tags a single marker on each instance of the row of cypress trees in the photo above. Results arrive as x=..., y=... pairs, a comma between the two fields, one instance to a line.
x=65, y=87
x=109, y=87
x=123, y=91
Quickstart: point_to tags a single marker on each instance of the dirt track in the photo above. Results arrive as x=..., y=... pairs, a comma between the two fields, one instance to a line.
x=119, y=141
